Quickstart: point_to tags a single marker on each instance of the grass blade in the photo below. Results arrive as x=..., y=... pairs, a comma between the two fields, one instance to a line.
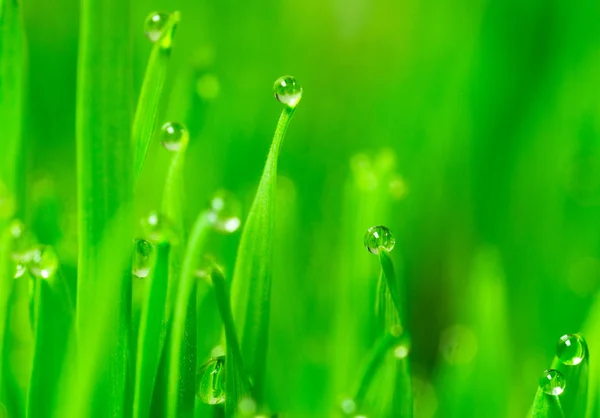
x=153, y=329
x=6, y=286
x=146, y=114
x=105, y=188
x=252, y=277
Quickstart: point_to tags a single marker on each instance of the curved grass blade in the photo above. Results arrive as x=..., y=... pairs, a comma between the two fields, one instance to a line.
x=251, y=288
x=182, y=351
x=105, y=189
x=53, y=315
x=146, y=113
x=152, y=334
x=237, y=383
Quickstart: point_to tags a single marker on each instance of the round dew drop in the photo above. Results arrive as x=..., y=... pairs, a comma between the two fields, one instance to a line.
x=571, y=349
x=142, y=258
x=552, y=382
x=44, y=263
x=287, y=90
x=225, y=212
x=154, y=25
x=210, y=381
x=379, y=237
x=175, y=136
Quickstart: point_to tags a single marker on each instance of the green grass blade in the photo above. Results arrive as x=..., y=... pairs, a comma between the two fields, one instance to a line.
x=146, y=114
x=251, y=286
x=105, y=188
x=6, y=289
x=54, y=316
x=11, y=100
x=546, y=406
x=152, y=333
x=181, y=364
x=237, y=382
x=393, y=286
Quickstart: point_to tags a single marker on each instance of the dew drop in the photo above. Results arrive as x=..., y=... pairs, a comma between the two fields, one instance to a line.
x=156, y=228
x=225, y=211
x=401, y=351
x=44, y=263
x=142, y=258
x=175, y=136
x=571, y=349
x=379, y=237
x=20, y=270
x=23, y=242
x=154, y=25
x=210, y=381
x=552, y=382
x=287, y=90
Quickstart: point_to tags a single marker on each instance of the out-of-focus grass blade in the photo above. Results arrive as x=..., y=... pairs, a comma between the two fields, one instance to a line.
x=182, y=356
x=105, y=189
x=144, y=122
x=6, y=289
x=11, y=99
x=237, y=382
x=54, y=315
x=153, y=329
x=591, y=331
x=251, y=288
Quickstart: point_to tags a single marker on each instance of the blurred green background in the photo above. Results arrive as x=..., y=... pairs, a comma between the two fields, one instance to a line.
x=471, y=129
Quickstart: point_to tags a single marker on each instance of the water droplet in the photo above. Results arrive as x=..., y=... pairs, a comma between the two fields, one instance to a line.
x=571, y=349
x=247, y=406
x=225, y=211
x=552, y=382
x=348, y=406
x=175, y=136
x=379, y=237
x=142, y=258
x=20, y=270
x=210, y=381
x=44, y=262
x=458, y=344
x=287, y=90
x=156, y=228
x=23, y=242
x=401, y=351
x=154, y=25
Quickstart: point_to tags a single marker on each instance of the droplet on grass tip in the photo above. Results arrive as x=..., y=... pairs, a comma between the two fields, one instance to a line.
x=225, y=212
x=154, y=25
x=44, y=263
x=142, y=258
x=175, y=136
x=571, y=349
x=552, y=382
x=210, y=381
x=378, y=237
x=287, y=90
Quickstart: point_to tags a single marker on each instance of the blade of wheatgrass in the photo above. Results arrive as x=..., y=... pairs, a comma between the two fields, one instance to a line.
x=181, y=357
x=6, y=289
x=591, y=331
x=237, y=383
x=152, y=333
x=251, y=288
x=546, y=406
x=11, y=102
x=53, y=320
x=146, y=113
x=105, y=188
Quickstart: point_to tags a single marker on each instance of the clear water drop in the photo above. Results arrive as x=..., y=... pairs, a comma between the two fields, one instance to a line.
x=210, y=381
x=154, y=25
x=225, y=212
x=142, y=258
x=175, y=136
x=156, y=228
x=287, y=90
x=552, y=382
x=379, y=237
x=23, y=242
x=20, y=270
x=571, y=349
x=44, y=263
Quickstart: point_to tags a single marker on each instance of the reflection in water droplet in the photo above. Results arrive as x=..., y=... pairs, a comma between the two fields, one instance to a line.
x=44, y=262
x=154, y=25
x=458, y=344
x=287, y=90
x=571, y=349
x=225, y=212
x=175, y=136
x=379, y=237
x=142, y=258
x=210, y=381
x=552, y=382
